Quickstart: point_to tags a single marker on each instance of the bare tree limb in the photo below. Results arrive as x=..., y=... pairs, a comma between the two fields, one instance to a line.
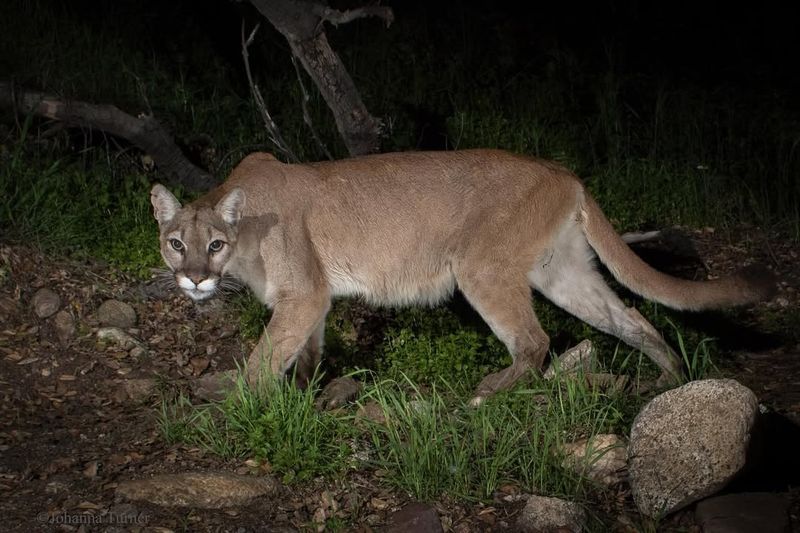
x=301, y=22
x=272, y=128
x=306, y=115
x=145, y=132
x=336, y=17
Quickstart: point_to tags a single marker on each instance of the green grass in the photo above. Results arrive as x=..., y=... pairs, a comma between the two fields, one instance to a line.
x=60, y=206
x=434, y=444
x=431, y=445
x=276, y=423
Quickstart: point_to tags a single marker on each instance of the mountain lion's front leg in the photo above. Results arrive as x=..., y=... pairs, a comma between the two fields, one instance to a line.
x=307, y=362
x=293, y=322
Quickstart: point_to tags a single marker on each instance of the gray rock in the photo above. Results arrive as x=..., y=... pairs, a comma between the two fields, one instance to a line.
x=417, y=517
x=45, y=303
x=579, y=357
x=543, y=515
x=64, y=325
x=748, y=512
x=338, y=392
x=688, y=443
x=205, y=490
x=118, y=337
x=371, y=411
x=116, y=314
x=602, y=458
x=215, y=385
x=137, y=352
x=138, y=390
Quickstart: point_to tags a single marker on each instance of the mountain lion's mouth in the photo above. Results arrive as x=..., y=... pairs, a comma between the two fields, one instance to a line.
x=198, y=295
x=197, y=292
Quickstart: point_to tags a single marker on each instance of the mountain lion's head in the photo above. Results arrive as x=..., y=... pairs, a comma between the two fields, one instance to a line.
x=197, y=241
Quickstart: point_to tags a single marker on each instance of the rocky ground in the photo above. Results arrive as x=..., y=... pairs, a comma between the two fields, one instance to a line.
x=80, y=381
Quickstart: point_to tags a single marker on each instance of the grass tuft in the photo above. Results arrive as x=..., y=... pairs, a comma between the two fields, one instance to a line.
x=276, y=423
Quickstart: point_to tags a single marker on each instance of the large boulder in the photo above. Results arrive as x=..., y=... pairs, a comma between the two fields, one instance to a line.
x=688, y=443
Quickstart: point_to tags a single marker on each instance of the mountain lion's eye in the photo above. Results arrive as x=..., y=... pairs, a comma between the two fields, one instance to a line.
x=215, y=246
x=176, y=245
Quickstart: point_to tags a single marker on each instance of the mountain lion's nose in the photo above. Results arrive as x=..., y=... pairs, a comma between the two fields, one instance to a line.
x=196, y=278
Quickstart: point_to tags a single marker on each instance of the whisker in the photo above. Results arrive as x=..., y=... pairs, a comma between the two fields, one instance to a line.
x=230, y=285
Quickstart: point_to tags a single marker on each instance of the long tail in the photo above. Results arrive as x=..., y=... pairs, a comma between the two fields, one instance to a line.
x=749, y=285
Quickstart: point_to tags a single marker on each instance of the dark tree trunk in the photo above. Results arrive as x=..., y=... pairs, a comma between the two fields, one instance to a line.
x=301, y=22
x=144, y=132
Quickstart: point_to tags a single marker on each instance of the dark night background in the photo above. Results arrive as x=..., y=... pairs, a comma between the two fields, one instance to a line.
x=695, y=101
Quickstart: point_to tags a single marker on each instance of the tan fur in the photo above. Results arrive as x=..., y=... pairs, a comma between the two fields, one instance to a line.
x=409, y=228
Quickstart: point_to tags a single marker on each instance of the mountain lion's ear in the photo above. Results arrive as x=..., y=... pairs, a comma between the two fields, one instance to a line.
x=165, y=204
x=231, y=206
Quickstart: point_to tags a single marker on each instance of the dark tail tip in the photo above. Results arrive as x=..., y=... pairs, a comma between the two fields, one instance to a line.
x=760, y=282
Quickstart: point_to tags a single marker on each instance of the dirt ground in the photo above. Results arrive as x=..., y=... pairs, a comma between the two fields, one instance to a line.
x=78, y=417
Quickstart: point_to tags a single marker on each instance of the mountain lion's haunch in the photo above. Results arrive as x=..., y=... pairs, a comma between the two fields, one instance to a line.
x=410, y=228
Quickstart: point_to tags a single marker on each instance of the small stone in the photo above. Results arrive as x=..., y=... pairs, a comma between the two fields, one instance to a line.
x=90, y=470
x=199, y=365
x=64, y=325
x=579, y=357
x=205, y=490
x=338, y=392
x=215, y=385
x=138, y=390
x=543, y=514
x=116, y=314
x=372, y=519
x=328, y=501
x=602, y=458
x=118, y=337
x=748, y=512
x=45, y=303
x=371, y=411
x=378, y=504
x=319, y=518
x=416, y=517
x=137, y=352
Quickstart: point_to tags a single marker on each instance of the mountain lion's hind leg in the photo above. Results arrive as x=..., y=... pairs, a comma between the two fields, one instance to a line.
x=506, y=308
x=569, y=280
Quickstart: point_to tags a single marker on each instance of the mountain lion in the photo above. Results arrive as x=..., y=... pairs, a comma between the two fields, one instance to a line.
x=410, y=228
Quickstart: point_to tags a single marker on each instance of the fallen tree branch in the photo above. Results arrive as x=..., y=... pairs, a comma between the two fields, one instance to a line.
x=144, y=131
